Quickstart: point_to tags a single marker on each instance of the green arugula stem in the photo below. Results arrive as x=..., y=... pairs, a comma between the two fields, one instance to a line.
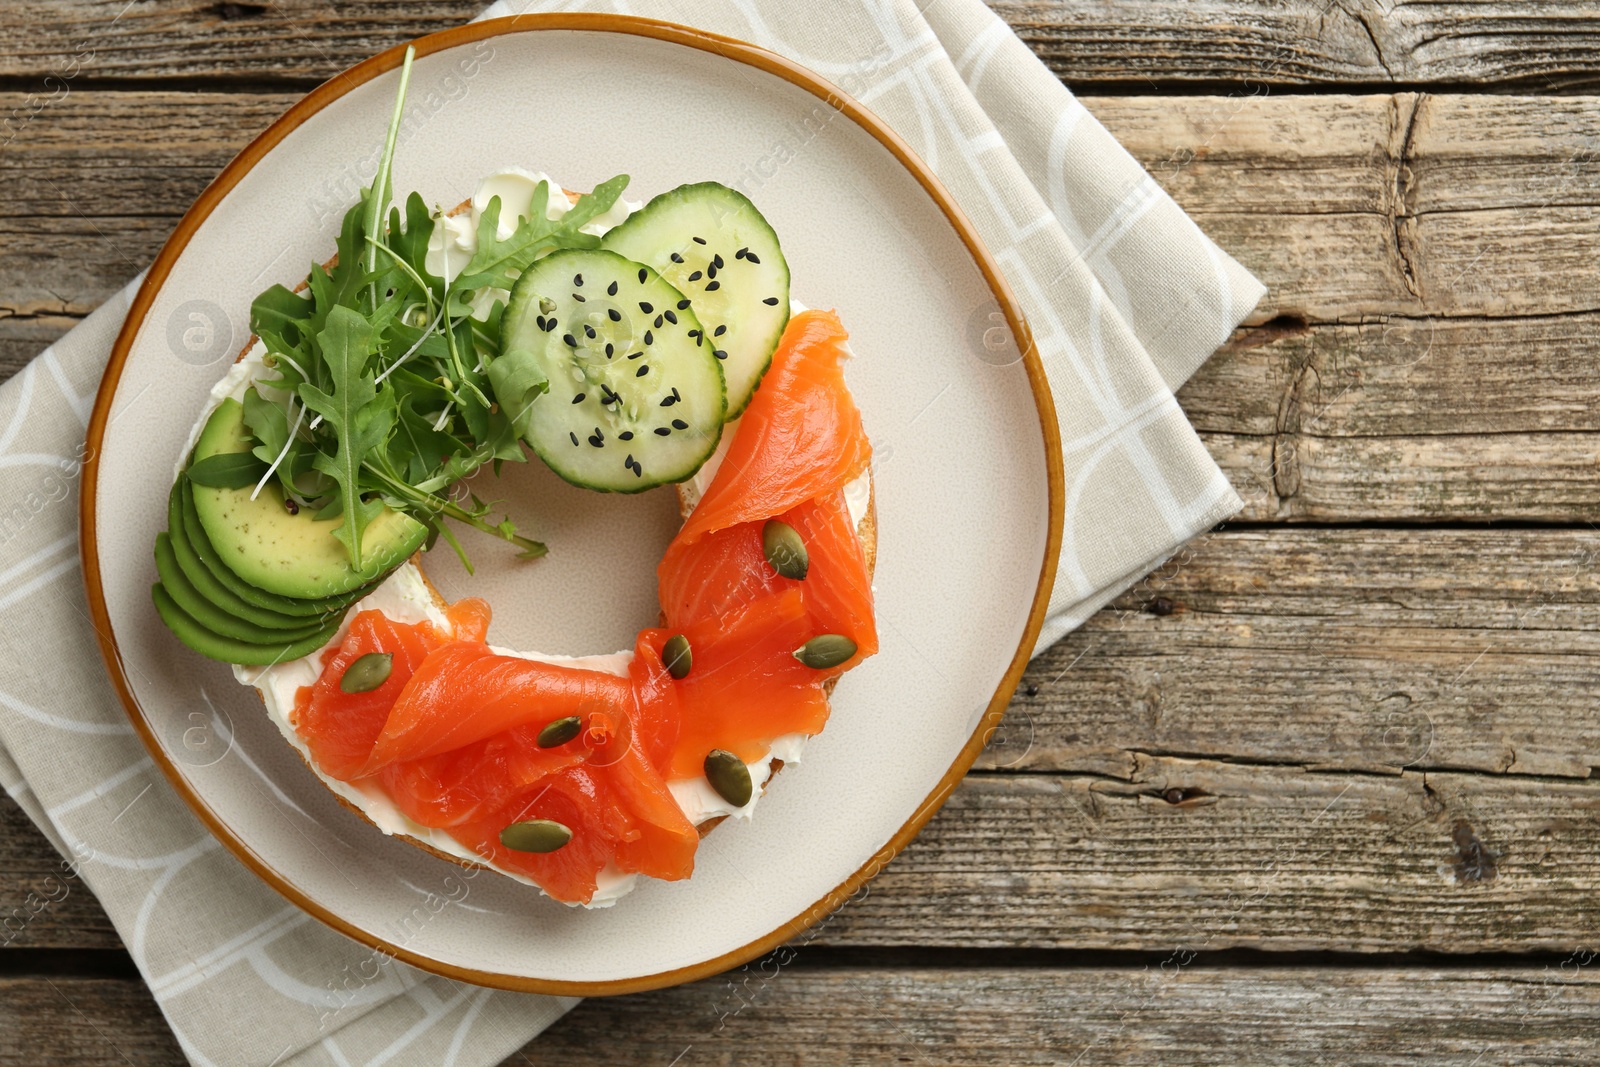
x=436, y=505
x=378, y=197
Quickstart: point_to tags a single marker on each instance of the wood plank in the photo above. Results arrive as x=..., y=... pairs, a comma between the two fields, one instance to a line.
x=1349, y=648
x=1347, y=207
x=43, y=903
x=82, y=1022
x=1259, y=43
x=1253, y=856
x=1407, y=204
x=1100, y=44
x=796, y=1012
x=1205, y=856
x=1153, y=1016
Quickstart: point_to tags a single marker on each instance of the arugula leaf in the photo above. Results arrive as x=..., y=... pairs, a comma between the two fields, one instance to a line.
x=401, y=371
x=411, y=243
x=227, y=470
x=356, y=415
x=277, y=317
x=497, y=262
x=517, y=382
x=267, y=423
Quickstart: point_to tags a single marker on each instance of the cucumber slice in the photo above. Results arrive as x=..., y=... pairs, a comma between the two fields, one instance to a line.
x=634, y=401
x=712, y=244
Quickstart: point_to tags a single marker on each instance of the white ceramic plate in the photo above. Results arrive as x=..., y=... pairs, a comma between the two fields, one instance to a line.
x=964, y=487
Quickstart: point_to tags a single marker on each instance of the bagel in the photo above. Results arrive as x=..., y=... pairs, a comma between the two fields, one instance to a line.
x=407, y=595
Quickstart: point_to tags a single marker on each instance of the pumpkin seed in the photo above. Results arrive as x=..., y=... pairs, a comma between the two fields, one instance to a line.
x=825, y=650
x=535, y=835
x=729, y=777
x=559, y=732
x=785, y=549
x=677, y=656
x=367, y=672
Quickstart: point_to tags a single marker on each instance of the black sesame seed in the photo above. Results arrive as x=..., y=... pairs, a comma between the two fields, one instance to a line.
x=752, y=257
x=695, y=276
x=614, y=314
x=644, y=368
x=679, y=424
x=609, y=350
x=645, y=306
x=643, y=274
x=598, y=434
x=635, y=355
x=638, y=471
x=625, y=435
x=770, y=301
x=683, y=305
x=597, y=441
x=668, y=401
x=672, y=317
x=676, y=258
x=539, y=321
x=741, y=253
x=694, y=333
x=711, y=271
x=699, y=240
x=710, y=286
x=662, y=431
x=589, y=331
x=719, y=353
x=607, y=396
x=658, y=322
x=627, y=464
x=549, y=324
x=572, y=342
x=573, y=436
x=579, y=398
x=719, y=331
x=579, y=297
x=577, y=279
x=649, y=338
x=675, y=395
x=611, y=290
x=716, y=260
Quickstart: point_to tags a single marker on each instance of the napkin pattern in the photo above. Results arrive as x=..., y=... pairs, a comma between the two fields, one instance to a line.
x=1125, y=298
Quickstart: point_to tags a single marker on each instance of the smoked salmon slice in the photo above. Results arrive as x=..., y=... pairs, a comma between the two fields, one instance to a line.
x=801, y=436
x=452, y=735
x=465, y=692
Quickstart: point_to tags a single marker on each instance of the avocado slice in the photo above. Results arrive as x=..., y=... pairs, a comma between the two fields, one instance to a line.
x=195, y=534
x=215, y=618
x=291, y=555
x=194, y=574
x=228, y=649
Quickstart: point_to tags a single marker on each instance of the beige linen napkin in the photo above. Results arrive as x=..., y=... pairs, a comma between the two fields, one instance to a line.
x=1125, y=298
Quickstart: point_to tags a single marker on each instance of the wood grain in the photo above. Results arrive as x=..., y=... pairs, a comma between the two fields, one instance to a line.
x=1335, y=648
x=1349, y=207
x=1102, y=45
x=43, y=903
x=1155, y=1015
x=1151, y=1014
x=1169, y=853
x=82, y=1022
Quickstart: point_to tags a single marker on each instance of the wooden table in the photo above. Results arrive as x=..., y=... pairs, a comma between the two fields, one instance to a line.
x=1317, y=791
